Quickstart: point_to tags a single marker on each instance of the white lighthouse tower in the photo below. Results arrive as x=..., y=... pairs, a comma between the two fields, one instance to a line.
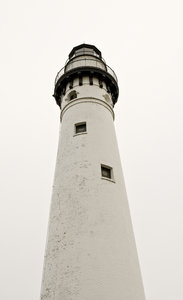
x=90, y=252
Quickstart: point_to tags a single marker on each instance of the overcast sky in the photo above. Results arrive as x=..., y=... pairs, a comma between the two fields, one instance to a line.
x=143, y=42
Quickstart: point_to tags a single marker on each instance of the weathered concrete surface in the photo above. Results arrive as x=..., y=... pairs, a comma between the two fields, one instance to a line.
x=90, y=253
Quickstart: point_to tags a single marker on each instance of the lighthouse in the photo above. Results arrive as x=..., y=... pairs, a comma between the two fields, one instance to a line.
x=90, y=251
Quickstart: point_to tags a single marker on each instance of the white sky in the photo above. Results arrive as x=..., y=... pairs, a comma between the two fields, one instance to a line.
x=143, y=42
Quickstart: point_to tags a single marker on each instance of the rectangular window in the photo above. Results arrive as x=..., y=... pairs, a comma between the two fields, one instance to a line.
x=80, y=127
x=106, y=171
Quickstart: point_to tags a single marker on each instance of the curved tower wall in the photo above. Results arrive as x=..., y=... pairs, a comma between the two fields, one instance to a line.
x=90, y=252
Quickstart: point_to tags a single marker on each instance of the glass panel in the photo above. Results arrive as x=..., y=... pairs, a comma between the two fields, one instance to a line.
x=83, y=51
x=79, y=52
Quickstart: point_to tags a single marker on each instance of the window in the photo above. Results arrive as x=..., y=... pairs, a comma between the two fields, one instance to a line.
x=106, y=172
x=80, y=127
x=84, y=51
x=72, y=95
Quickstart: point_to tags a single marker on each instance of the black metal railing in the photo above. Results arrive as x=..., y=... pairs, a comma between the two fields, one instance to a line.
x=85, y=62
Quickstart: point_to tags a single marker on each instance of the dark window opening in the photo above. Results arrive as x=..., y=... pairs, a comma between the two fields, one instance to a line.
x=80, y=80
x=106, y=172
x=71, y=84
x=100, y=83
x=80, y=127
x=91, y=79
x=72, y=95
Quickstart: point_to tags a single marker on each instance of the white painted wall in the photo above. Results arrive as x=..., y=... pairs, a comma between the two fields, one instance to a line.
x=86, y=90
x=91, y=253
